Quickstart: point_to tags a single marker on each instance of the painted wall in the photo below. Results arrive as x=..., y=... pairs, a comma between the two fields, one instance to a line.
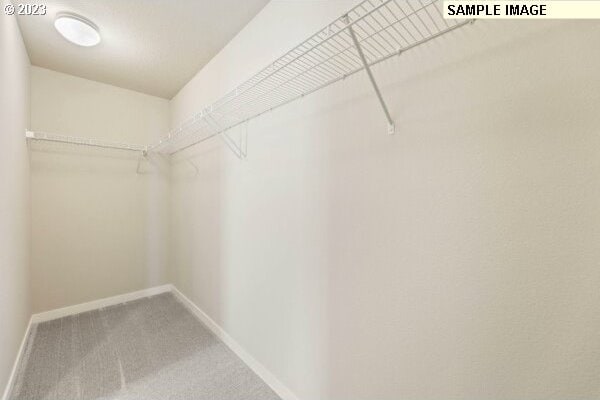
x=14, y=193
x=457, y=259
x=98, y=226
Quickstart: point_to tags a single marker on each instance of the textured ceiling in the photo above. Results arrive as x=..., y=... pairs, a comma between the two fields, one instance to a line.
x=151, y=46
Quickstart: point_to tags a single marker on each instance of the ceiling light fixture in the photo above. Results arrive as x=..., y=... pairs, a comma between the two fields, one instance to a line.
x=77, y=29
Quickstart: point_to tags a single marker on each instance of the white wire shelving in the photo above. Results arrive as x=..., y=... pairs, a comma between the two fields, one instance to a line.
x=371, y=32
x=368, y=34
x=50, y=137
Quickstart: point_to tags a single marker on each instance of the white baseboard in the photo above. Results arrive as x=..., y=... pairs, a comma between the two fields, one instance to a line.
x=97, y=304
x=78, y=309
x=270, y=379
x=278, y=387
x=13, y=373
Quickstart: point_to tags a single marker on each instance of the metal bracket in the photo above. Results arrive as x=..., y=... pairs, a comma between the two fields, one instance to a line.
x=391, y=127
x=239, y=149
x=232, y=145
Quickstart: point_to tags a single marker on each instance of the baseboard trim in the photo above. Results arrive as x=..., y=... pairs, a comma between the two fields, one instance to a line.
x=270, y=379
x=13, y=373
x=97, y=304
x=73, y=310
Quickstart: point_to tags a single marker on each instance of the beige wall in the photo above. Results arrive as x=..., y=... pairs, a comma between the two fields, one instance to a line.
x=457, y=259
x=14, y=193
x=98, y=226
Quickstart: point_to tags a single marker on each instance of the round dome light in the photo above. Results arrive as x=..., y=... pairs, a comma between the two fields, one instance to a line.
x=77, y=29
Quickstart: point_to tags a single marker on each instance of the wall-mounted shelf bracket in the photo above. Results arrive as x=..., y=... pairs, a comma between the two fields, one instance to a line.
x=391, y=127
x=238, y=147
x=233, y=146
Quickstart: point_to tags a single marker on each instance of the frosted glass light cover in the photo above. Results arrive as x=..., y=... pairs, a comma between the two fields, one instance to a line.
x=77, y=30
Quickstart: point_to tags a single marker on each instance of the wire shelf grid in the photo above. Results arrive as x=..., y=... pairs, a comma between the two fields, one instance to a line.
x=50, y=137
x=383, y=28
x=369, y=33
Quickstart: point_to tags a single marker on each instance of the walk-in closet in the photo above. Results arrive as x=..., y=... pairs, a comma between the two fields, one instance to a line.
x=299, y=199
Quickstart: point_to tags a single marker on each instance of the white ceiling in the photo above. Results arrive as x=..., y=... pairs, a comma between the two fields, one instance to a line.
x=151, y=46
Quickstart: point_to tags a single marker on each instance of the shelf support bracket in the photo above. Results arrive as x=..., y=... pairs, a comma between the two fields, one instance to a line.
x=232, y=145
x=361, y=54
x=238, y=149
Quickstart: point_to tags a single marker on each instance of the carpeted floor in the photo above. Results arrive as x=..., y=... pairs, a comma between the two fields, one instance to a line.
x=152, y=348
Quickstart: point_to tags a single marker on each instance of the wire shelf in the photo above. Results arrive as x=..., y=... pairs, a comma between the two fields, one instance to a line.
x=50, y=137
x=383, y=28
x=369, y=33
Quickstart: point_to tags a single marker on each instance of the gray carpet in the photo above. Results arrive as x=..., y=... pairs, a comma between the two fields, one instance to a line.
x=152, y=348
